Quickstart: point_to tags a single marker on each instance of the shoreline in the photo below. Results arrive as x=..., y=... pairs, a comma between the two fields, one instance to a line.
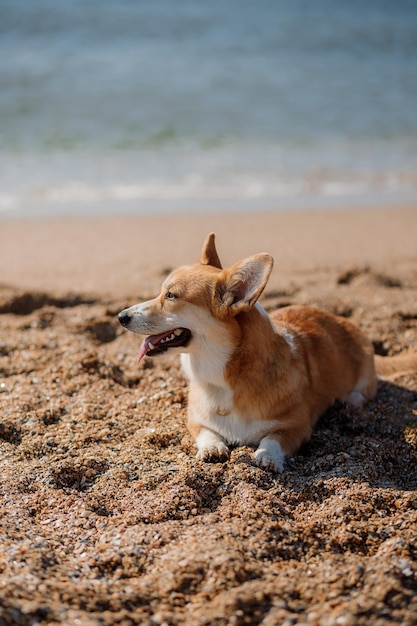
x=47, y=208
x=110, y=253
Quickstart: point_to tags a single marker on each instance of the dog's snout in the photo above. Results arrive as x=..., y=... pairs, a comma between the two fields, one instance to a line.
x=124, y=318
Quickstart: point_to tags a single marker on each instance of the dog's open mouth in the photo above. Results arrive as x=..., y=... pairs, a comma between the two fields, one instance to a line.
x=157, y=344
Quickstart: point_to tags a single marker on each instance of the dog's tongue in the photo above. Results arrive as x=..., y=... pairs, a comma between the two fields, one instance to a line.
x=149, y=343
x=144, y=349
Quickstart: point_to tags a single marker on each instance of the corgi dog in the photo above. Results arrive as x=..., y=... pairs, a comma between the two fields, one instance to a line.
x=254, y=379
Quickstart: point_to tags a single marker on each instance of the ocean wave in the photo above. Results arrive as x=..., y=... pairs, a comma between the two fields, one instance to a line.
x=195, y=187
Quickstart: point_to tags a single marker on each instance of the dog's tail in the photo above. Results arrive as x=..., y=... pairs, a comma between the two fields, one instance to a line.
x=392, y=366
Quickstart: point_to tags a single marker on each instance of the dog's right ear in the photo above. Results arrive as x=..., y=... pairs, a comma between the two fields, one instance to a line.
x=209, y=254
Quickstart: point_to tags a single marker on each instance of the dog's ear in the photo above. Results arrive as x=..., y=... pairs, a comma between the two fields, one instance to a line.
x=245, y=282
x=209, y=254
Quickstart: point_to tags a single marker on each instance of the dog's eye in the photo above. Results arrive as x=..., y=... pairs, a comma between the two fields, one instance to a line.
x=170, y=296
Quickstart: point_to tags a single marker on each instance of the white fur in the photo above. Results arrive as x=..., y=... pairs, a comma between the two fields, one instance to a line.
x=290, y=339
x=362, y=384
x=209, y=444
x=231, y=430
x=209, y=351
x=214, y=400
x=270, y=455
x=265, y=315
x=356, y=399
x=235, y=430
x=140, y=322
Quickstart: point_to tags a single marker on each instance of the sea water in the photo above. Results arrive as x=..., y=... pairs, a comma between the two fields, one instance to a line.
x=163, y=105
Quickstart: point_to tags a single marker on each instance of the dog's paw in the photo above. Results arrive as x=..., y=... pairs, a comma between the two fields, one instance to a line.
x=356, y=399
x=216, y=452
x=211, y=446
x=269, y=455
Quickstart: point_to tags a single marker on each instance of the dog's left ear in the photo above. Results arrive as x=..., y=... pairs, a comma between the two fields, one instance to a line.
x=209, y=254
x=245, y=282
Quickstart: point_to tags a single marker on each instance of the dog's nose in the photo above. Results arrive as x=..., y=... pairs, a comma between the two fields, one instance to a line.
x=124, y=318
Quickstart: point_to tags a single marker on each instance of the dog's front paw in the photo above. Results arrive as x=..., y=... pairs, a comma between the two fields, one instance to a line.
x=211, y=446
x=215, y=453
x=269, y=455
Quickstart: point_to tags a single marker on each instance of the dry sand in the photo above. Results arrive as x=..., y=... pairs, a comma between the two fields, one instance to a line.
x=106, y=516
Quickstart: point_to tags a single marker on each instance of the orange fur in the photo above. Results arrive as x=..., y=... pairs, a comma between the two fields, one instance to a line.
x=254, y=379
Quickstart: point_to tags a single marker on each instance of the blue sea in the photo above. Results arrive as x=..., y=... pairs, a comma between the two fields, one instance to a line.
x=153, y=105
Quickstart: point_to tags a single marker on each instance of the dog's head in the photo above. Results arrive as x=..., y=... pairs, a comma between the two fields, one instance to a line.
x=198, y=302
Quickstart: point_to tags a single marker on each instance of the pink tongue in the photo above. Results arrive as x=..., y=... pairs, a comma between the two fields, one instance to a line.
x=148, y=344
x=144, y=349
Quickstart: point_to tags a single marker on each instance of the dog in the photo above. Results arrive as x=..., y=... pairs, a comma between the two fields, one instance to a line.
x=255, y=379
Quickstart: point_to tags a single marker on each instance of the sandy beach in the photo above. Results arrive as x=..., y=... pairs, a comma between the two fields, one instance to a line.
x=106, y=515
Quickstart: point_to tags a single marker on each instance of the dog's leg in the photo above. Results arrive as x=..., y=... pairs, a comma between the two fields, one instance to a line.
x=356, y=399
x=364, y=390
x=273, y=448
x=211, y=446
x=269, y=454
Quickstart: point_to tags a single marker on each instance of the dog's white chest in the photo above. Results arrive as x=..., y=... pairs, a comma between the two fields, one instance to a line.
x=211, y=405
x=213, y=408
x=236, y=430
